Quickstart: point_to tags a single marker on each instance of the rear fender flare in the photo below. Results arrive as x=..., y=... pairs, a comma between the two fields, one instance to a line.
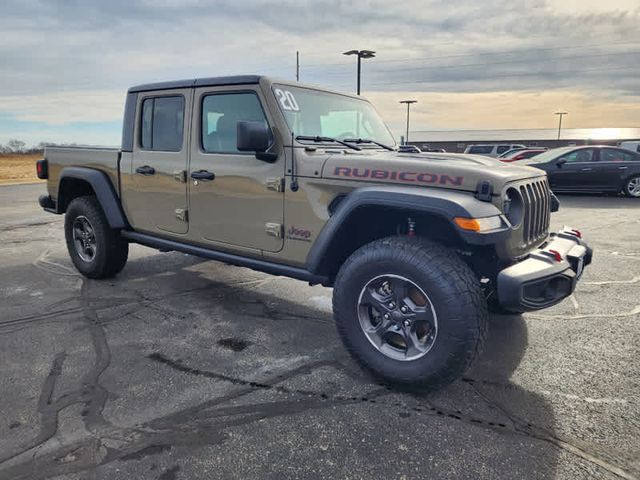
x=103, y=189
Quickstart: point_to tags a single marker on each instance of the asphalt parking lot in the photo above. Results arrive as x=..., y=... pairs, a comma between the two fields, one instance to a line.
x=181, y=368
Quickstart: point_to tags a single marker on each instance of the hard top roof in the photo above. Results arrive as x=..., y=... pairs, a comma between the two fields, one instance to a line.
x=197, y=82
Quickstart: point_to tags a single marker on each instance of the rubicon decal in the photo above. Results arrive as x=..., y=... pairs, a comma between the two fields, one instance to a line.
x=403, y=176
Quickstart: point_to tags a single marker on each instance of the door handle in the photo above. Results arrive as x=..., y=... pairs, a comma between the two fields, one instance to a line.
x=622, y=168
x=586, y=169
x=146, y=170
x=204, y=175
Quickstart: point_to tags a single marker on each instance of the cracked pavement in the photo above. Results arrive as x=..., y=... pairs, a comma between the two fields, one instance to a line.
x=182, y=368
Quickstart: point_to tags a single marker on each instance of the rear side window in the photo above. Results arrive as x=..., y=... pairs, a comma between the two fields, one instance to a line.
x=481, y=149
x=611, y=155
x=162, y=123
x=220, y=116
x=503, y=148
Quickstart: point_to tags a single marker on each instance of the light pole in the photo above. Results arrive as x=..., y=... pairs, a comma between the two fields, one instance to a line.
x=408, y=102
x=560, y=115
x=361, y=54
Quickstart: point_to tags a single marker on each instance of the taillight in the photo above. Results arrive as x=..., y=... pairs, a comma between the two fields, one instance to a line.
x=42, y=169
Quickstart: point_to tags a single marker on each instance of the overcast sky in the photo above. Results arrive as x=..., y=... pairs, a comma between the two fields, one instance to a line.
x=65, y=65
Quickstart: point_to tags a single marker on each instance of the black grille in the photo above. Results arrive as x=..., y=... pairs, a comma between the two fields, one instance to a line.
x=536, y=200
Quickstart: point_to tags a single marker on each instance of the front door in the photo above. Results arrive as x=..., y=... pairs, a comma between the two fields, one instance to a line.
x=158, y=197
x=576, y=170
x=235, y=199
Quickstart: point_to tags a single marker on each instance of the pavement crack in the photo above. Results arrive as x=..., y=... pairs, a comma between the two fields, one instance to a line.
x=525, y=428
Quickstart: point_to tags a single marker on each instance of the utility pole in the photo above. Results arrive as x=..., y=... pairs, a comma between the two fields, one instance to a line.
x=408, y=102
x=560, y=115
x=297, y=66
x=361, y=54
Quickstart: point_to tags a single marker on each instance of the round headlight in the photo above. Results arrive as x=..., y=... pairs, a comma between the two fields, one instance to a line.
x=513, y=207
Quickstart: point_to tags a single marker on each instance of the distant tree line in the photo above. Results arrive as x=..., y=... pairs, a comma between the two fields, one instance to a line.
x=18, y=146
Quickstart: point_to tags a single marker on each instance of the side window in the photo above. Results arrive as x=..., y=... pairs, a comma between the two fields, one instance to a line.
x=579, y=156
x=503, y=148
x=481, y=149
x=611, y=155
x=162, y=124
x=220, y=116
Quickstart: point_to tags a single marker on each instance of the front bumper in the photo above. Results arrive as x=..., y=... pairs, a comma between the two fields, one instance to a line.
x=547, y=276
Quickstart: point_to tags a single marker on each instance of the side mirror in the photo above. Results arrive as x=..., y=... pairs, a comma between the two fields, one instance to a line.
x=255, y=137
x=560, y=162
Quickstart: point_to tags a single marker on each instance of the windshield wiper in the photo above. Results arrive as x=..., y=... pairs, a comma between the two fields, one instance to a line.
x=368, y=140
x=319, y=139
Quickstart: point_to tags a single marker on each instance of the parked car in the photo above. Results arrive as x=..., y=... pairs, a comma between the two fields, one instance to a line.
x=434, y=150
x=598, y=168
x=633, y=146
x=520, y=149
x=409, y=149
x=491, y=150
x=521, y=154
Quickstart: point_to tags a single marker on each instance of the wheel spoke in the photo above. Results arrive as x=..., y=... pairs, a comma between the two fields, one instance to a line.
x=414, y=345
x=374, y=299
x=400, y=289
x=423, y=314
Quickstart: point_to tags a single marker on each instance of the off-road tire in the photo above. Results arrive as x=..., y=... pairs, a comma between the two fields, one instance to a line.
x=455, y=294
x=111, y=250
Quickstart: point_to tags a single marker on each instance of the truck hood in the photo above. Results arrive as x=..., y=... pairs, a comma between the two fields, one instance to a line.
x=444, y=170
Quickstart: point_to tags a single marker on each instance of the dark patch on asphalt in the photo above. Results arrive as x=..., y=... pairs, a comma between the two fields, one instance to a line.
x=169, y=473
x=235, y=344
x=13, y=425
x=145, y=452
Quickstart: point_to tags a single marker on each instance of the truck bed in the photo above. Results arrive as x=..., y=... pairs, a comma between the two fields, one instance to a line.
x=100, y=158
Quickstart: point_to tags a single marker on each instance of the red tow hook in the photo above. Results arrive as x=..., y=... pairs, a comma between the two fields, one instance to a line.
x=577, y=233
x=556, y=255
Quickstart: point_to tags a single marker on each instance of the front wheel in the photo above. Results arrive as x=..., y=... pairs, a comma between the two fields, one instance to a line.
x=410, y=310
x=632, y=187
x=95, y=249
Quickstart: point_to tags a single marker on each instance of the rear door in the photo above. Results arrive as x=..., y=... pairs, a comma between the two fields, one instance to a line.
x=575, y=171
x=157, y=199
x=615, y=166
x=241, y=204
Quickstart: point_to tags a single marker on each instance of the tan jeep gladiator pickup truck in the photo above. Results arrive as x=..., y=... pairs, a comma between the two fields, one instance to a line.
x=299, y=181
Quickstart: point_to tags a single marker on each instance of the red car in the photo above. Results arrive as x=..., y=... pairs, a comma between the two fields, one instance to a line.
x=522, y=154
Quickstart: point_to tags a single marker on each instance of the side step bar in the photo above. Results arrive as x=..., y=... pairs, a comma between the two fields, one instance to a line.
x=229, y=258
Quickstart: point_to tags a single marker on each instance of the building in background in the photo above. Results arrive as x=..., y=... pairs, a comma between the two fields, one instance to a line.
x=457, y=140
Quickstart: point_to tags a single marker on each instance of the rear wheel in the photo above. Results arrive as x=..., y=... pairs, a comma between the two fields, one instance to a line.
x=632, y=187
x=410, y=311
x=96, y=250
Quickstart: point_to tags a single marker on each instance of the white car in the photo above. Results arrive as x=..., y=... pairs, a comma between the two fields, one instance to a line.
x=491, y=149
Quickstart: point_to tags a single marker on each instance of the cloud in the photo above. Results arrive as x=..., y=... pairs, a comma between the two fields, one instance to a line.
x=69, y=61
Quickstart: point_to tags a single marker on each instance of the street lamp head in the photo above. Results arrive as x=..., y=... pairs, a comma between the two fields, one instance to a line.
x=361, y=53
x=408, y=102
x=561, y=113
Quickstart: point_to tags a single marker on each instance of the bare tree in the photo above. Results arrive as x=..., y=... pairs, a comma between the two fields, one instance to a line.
x=16, y=146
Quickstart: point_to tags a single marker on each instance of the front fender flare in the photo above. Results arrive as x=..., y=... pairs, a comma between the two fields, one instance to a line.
x=103, y=189
x=447, y=204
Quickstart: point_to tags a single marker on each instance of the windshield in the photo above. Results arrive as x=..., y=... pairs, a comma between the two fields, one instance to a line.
x=316, y=113
x=547, y=156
